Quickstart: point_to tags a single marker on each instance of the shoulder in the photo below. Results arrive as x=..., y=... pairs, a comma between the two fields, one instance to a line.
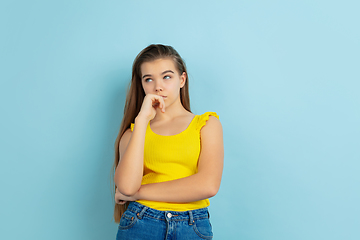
x=209, y=120
x=211, y=133
x=127, y=133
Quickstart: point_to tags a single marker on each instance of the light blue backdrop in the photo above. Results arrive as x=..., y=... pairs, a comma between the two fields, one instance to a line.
x=282, y=75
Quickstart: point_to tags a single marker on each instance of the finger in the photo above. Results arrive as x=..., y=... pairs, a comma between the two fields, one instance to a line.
x=121, y=202
x=158, y=101
x=155, y=100
x=163, y=105
x=156, y=104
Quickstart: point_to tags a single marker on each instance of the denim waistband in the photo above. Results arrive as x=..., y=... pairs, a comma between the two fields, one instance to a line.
x=191, y=215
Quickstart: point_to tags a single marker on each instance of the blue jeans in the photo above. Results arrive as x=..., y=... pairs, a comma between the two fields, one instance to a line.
x=141, y=222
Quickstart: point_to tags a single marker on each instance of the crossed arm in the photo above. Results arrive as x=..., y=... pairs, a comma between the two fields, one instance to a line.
x=202, y=185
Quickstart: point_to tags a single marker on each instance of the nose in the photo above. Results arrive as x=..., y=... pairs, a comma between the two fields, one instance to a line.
x=158, y=86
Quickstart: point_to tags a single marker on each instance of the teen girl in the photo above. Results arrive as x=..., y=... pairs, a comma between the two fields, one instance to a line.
x=168, y=161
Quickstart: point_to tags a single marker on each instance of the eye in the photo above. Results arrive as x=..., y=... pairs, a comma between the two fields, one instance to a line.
x=167, y=77
x=148, y=79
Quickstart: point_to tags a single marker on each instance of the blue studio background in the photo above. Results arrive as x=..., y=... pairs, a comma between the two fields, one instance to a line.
x=282, y=75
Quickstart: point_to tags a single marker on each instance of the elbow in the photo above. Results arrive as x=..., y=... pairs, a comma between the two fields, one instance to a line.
x=127, y=190
x=210, y=186
x=212, y=191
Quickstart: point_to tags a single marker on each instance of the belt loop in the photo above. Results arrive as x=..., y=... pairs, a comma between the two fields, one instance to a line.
x=191, y=220
x=141, y=214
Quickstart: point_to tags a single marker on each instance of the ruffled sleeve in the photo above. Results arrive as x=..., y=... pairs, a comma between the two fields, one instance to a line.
x=132, y=127
x=203, y=119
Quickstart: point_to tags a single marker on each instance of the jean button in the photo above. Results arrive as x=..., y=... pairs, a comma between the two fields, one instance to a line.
x=169, y=215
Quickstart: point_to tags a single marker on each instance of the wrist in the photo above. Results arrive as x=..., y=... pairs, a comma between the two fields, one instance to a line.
x=138, y=195
x=139, y=119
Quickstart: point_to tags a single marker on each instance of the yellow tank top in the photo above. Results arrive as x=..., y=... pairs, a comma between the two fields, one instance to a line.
x=172, y=157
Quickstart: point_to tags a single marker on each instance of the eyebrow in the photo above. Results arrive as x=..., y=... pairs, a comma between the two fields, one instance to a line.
x=149, y=75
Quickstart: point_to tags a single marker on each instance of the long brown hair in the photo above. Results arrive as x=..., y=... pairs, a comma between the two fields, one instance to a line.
x=135, y=96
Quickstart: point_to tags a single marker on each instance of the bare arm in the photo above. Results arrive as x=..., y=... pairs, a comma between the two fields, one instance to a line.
x=204, y=184
x=129, y=172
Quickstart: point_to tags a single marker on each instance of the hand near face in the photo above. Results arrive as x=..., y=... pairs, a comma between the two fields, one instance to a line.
x=150, y=104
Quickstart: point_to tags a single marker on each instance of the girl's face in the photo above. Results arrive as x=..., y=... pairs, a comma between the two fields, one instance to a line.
x=162, y=78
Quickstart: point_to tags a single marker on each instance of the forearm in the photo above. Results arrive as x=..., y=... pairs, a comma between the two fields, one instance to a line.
x=188, y=189
x=129, y=172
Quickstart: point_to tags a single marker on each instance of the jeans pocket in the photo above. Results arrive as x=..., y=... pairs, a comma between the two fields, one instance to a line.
x=203, y=229
x=127, y=220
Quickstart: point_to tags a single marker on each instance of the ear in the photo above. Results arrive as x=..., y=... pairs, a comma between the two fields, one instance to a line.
x=182, y=79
